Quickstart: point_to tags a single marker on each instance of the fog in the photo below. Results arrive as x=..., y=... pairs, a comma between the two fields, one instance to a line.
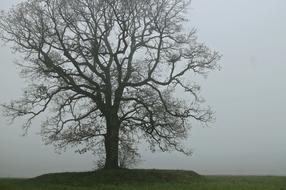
x=247, y=95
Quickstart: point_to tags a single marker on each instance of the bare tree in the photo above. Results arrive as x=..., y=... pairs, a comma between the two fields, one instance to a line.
x=106, y=72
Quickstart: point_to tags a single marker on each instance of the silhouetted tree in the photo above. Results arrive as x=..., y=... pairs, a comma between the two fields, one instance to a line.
x=106, y=72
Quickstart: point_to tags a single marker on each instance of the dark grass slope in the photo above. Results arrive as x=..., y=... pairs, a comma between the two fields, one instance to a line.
x=122, y=176
x=143, y=180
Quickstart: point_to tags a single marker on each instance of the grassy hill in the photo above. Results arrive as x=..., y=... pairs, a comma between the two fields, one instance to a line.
x=123, y=176
x=143, y=180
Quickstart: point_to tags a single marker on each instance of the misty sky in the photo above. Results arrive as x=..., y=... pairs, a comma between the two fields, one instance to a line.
x=248, y=96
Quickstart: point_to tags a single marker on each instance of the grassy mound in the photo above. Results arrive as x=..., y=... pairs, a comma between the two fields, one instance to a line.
x=150, y=180
x=122, y=176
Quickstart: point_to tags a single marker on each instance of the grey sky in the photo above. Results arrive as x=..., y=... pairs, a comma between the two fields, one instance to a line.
x=248, y=96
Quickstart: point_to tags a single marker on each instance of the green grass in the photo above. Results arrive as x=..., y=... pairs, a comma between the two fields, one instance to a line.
x=143, y=180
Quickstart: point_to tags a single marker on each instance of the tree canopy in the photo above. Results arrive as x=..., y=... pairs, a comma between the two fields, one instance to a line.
x=106, y=72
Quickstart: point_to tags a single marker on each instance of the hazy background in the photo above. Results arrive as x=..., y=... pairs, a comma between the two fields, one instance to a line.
x=248, y=96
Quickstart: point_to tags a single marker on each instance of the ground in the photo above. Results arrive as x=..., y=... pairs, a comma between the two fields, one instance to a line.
x=143, y=180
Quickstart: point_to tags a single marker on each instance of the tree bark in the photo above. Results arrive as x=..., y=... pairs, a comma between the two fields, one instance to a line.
x=112, y=142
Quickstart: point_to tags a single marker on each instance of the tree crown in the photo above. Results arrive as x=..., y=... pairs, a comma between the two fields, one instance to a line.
x=91, y=60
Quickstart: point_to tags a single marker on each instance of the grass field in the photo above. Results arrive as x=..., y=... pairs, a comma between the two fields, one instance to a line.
x=143, y=180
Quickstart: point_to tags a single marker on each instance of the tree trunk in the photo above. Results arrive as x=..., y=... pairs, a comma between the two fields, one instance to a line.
x=112, y=142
